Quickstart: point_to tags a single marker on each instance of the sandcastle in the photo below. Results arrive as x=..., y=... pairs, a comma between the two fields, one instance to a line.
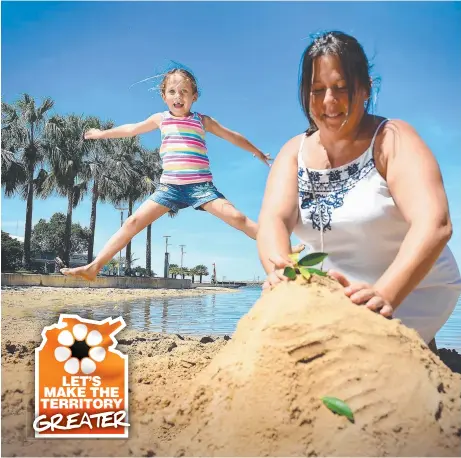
x=261, y=395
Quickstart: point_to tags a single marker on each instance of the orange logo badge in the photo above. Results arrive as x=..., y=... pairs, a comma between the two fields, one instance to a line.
x=81, y=380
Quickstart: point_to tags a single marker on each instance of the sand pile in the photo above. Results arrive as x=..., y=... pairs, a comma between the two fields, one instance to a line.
x=261, y=395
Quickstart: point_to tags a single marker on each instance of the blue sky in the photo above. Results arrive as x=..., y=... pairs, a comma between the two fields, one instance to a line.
x=86, y=56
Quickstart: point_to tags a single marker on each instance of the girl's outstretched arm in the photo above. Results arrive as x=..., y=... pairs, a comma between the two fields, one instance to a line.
x=213, y=126
x=127, y=130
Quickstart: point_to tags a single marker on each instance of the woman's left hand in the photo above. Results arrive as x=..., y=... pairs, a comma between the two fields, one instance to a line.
x=364, y=294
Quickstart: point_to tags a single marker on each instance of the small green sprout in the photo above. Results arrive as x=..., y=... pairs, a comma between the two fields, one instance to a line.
x=304, y=265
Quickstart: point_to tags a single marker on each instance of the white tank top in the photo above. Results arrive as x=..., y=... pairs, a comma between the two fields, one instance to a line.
x=363, y=230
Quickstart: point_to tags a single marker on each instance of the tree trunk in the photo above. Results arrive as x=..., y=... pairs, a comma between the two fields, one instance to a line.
x=200, y=278
x=193, y=278
x=67, y=233
x=128, y=247
x=28, y=226
x=148, y=250
x=94, y=201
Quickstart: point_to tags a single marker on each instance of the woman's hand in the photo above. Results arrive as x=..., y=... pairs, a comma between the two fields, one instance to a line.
x=364, y=294
x=276, y=276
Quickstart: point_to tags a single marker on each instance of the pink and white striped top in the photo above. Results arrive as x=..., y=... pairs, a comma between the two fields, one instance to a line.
x=183, y=150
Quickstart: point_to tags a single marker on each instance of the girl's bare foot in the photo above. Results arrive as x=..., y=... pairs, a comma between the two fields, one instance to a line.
x=88, y=272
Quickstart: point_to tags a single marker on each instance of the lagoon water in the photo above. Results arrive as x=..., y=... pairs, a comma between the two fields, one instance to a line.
x=214, y=314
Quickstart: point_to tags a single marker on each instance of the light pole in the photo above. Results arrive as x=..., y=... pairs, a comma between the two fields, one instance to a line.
x=121, y=224
x=167, y=261
x=182, y=254
x=214, y=279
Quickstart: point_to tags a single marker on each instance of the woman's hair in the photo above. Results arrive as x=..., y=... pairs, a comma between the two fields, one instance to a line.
x=354, y=63
x=185, y=73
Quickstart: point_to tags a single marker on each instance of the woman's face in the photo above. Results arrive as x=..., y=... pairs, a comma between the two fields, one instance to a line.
x=329, y=100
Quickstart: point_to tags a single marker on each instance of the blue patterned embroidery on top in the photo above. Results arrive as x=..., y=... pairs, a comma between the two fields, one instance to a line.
x=330, y=188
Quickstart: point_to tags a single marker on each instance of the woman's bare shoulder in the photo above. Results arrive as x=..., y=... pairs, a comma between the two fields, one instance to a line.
x=291, y=147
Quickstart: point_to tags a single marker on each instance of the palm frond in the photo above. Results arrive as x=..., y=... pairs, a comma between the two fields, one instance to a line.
x=47, y=185
x=13, y=173
x=46, y=106
x=79, y=191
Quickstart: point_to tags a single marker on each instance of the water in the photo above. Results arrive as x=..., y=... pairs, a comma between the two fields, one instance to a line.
x=210, y=314
x=450, y=334
x=214, y=314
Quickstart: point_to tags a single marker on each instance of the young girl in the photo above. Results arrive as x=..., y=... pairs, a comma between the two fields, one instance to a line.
x=186, y=180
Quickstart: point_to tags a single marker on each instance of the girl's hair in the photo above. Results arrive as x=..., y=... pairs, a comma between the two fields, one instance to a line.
x=185, y=73
x=354, y=63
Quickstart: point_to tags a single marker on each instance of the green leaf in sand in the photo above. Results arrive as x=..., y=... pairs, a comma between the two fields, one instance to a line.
x=338, y=406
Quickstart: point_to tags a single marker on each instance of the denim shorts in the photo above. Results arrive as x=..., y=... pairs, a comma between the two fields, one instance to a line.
x=178, y=196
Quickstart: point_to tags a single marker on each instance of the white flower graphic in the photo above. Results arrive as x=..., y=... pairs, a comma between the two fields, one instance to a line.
x=80, y=334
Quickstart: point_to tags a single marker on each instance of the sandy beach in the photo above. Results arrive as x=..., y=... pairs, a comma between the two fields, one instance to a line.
x=158, y=365
x=161, y=369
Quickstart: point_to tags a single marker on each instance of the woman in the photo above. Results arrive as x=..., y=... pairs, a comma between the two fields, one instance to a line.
x=364, y=189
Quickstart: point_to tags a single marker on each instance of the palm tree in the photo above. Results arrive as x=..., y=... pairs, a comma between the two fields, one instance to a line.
x=201, y=270
x=173, y=270
x=130, y=187
x=66, y=151
x=183, y=271
x=98, y=166
x=150, y=170
x=193, y=273
x=112, y=266
x=23, y=136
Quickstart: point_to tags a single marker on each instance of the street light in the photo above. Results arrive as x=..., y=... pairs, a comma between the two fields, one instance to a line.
x=167, y=260
x=182, y=254
x=121, y=224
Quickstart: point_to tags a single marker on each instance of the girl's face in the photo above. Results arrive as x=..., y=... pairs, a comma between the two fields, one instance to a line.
x=179, y=95
x=329, y=100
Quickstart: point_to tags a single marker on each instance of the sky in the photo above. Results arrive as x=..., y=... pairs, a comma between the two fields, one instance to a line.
x=87, y=56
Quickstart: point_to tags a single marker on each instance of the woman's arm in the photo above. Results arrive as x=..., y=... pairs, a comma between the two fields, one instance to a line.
x=213, y=126
x=279, y=211
x=415, y=183
x=126, y=130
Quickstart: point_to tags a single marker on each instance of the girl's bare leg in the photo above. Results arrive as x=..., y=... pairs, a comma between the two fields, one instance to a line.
x=225, y=210
x=146, y=214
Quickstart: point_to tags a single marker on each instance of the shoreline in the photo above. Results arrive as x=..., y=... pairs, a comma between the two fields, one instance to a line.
x=20, y=300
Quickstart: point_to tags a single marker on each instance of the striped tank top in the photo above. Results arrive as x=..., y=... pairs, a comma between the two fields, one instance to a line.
x=183, y=150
